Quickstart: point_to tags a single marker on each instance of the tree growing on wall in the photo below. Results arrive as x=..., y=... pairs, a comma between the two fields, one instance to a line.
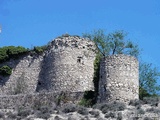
x=113, y=43
x=117, y=43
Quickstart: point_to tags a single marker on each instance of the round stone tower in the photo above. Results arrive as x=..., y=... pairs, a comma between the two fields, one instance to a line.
x=119, y=78
x=68, y=65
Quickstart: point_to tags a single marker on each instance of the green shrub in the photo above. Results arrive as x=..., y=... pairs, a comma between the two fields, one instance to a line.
x=61, y=98
x=5, y=70
x=3, y=54
x=12, y=50
x=85, y=102
x=39, y=49
x=88, y=99
x=8, y=52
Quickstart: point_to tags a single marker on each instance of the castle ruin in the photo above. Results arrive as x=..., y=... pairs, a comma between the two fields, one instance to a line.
x=119, y=78
x=67, y=65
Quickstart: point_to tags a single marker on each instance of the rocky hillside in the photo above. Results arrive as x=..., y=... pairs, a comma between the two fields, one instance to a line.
x=148, y=109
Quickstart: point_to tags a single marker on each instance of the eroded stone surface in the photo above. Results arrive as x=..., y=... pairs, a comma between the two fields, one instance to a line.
x=119, y=78
x=66, y=65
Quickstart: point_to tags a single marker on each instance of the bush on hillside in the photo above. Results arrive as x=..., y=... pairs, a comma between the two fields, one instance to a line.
x=88, y=99
x=5, y=70
x=39, y=49
x=8, y=52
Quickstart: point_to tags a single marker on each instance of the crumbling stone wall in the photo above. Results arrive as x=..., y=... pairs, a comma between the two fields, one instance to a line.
x=119, y=78
x=39, y=99
x=24, y=77
x=68, y=65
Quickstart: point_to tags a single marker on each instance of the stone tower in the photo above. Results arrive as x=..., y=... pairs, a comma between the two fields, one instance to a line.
x=68, y=65
x=119, y=78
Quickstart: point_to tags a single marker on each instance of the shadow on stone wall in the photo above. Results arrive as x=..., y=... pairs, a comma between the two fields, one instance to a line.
x=43, y=83
x=24, y=68
x=12, y=63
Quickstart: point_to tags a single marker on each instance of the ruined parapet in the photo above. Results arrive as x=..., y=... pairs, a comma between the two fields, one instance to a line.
x=119, y=78
x=68, y=65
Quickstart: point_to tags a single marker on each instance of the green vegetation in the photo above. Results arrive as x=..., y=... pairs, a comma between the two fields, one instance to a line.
x=148, y=76
x=113, y=43
x=62, y=98
x=39, y=49
x=88, y=99
x=117, y=43
x=8, y=52
x=5, y=70
x=107, y=44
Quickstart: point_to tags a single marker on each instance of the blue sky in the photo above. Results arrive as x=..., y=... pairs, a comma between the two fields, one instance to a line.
x=31, y=23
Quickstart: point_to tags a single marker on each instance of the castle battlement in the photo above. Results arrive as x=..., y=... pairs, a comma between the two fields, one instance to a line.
x=71, y=42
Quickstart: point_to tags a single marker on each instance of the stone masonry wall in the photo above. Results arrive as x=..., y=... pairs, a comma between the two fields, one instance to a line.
x=119, y=78
x=39, y=99
x=68, y=65
x=24, y=75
